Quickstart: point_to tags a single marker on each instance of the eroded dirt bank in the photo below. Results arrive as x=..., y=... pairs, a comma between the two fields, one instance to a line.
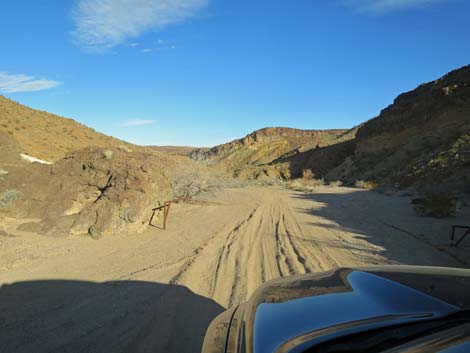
x=158, y=291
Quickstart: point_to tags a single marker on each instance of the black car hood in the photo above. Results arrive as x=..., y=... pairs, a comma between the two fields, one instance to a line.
x=286, y=315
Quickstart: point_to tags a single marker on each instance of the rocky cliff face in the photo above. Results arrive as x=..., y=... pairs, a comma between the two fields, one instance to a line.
x=434, y=112
x=422, y=139
x=267, y=145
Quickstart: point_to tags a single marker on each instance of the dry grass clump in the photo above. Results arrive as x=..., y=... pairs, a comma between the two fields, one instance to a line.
x=3, y=173
x=8, y=197
x=366, y=185
x=438, y=206
x=305, y=185
x=335, y=184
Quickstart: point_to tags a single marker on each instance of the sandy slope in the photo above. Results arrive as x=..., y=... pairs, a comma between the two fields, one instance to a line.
x=158, y=291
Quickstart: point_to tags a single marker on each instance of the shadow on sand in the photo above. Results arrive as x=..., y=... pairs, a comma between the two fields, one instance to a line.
x=121, y=316
x=388, y=223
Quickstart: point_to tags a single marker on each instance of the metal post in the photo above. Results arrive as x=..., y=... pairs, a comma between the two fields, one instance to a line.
x=166, y=211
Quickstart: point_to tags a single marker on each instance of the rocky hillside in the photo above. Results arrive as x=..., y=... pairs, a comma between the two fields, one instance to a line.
x=174, y=150
x=422, y=139
x=264, y=146
x=48, y=136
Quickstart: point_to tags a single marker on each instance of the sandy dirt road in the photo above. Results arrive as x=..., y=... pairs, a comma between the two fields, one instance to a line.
x=158, y=291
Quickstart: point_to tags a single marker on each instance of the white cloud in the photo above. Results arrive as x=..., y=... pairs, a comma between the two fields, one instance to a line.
x=146, y=50
x=382, y=6
x=103, y=24
x=137, y=122
x=23, y=83
x=135, y=44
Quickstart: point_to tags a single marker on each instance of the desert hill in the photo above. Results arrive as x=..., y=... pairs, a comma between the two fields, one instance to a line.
x=47, y=136
x=266, y=145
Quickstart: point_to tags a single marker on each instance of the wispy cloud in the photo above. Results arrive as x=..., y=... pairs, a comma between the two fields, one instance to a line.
x=383, y=6
x=146, y=50
x=137, y=122
x=103, y=24
x=23, y=83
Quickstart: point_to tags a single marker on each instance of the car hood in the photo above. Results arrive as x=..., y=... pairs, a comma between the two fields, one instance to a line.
x=291, y=314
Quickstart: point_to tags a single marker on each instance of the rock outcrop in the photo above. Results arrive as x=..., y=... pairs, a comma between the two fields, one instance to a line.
x=95, y=191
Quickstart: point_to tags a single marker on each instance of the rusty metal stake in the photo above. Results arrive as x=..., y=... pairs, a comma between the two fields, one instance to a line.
x=166, y=210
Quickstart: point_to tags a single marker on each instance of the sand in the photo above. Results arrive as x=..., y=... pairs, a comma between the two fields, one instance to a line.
x=158, y=291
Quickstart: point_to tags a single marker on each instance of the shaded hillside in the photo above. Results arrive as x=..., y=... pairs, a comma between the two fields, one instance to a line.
x=48, y=136
x=264, y=146
x=422, y=139
x=320, y=160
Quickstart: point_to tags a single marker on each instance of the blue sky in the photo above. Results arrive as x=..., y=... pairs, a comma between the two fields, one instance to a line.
x=202, y=72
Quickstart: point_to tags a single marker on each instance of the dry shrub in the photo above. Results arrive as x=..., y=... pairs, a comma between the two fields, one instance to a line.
x=188, y=182
x=307, y=174
x=305, y=185
x=8, y=197
x=335, y=184
x=295, y=185
x=3, y=173
x=438, y=206
x=366, y=185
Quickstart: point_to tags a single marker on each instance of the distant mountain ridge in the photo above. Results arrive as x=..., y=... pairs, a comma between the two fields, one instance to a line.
x=267, y=145
x=422, y=139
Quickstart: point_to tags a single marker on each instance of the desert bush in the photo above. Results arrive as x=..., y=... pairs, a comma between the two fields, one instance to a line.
x=108, y=154
x=366, y=185
x=3, y=173
x=307, y=174
x=335, y=184
x=295, y=185
x=438, y=206
x=305, y=185
x=188, y=183
x=316, y=182
x=8, y=197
